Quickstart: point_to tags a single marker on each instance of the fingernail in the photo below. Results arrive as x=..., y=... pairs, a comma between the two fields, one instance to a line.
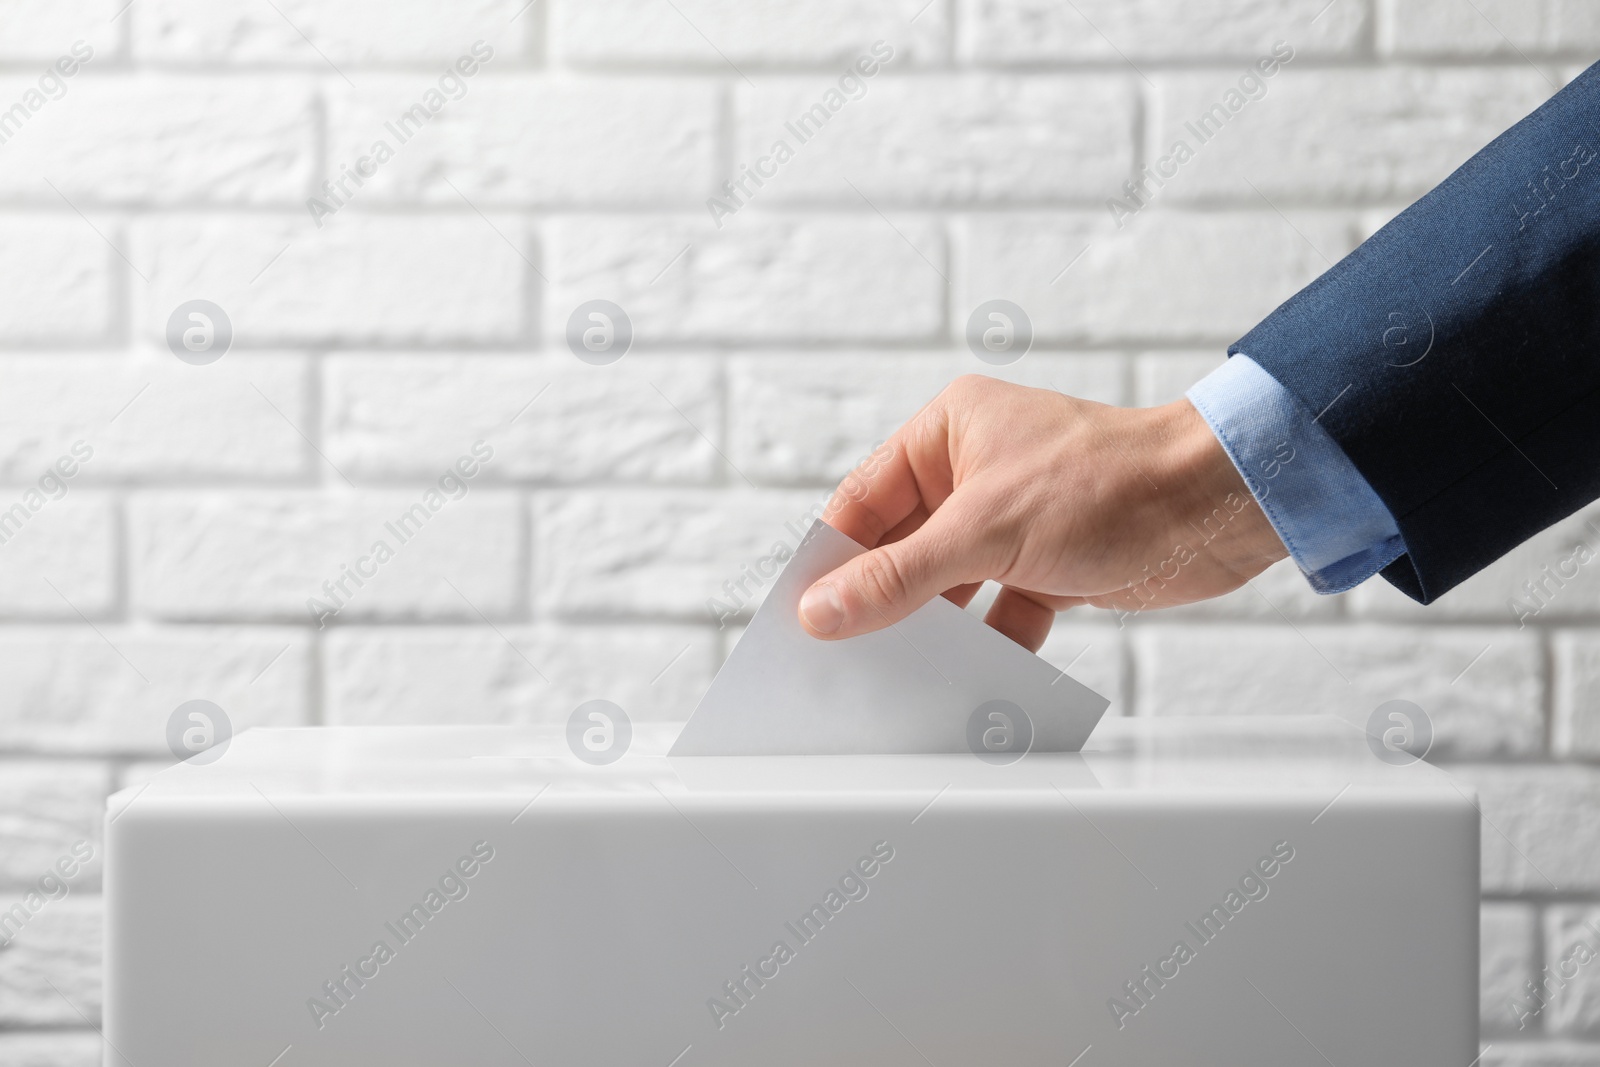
x=822, y=608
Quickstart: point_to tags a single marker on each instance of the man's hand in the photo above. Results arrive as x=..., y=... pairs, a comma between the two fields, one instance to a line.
x=1062, y=501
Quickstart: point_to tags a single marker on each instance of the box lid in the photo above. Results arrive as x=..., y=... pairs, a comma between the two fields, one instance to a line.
x=1126, y=759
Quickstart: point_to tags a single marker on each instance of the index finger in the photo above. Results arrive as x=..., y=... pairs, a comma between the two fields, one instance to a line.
x=911, y=469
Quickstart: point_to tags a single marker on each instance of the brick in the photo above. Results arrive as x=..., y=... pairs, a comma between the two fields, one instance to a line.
x=654, y=552
x=1541, y=829
x=360, y=278
x=766, y=278
x=68, y=543
x=811, y=417
x=57, y=275
x=1576, y=729
x=524, y=675
x=1544, y=579
x=44, y=30
x=1036, y=31
x=146, y=414
x=1274, y=670
x=46, y=807
x=1572, y=955
x=59, y=1048
x=303, y=32
x=265, y=555
x=530, y=140
x=161, y=139
x=1508, y=935
x=60, y=947
x=963, y=139
x=1512, y=28
x=548, y=418
x=1335, y=134
x=1162, y=377
x=78, y=691
x=1169, y=276
x=715, y=33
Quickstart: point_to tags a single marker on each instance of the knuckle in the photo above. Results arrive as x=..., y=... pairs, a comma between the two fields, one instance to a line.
x=969, y=385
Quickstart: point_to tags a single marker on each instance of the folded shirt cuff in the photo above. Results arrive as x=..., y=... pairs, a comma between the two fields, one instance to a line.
x=1332, y=522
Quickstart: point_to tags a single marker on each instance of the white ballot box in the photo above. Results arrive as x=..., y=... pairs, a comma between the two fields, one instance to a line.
x=1255, y=893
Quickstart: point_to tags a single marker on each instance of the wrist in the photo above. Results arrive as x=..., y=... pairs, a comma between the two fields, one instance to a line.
x=1210, y=496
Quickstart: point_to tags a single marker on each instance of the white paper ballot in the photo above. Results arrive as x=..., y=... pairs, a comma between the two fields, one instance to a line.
x=938, y=681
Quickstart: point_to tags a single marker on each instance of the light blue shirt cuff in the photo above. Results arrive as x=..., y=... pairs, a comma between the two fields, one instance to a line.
x=1333, y=524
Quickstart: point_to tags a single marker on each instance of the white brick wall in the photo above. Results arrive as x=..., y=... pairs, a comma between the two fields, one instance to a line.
x=770, y=352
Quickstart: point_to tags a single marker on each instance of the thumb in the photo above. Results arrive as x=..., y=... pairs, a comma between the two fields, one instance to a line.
x=879, y=588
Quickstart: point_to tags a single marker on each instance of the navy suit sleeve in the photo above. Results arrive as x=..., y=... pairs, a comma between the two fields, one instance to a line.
x=1457, y=351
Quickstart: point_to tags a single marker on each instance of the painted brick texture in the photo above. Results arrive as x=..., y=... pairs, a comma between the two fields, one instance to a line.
x=393, y=309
